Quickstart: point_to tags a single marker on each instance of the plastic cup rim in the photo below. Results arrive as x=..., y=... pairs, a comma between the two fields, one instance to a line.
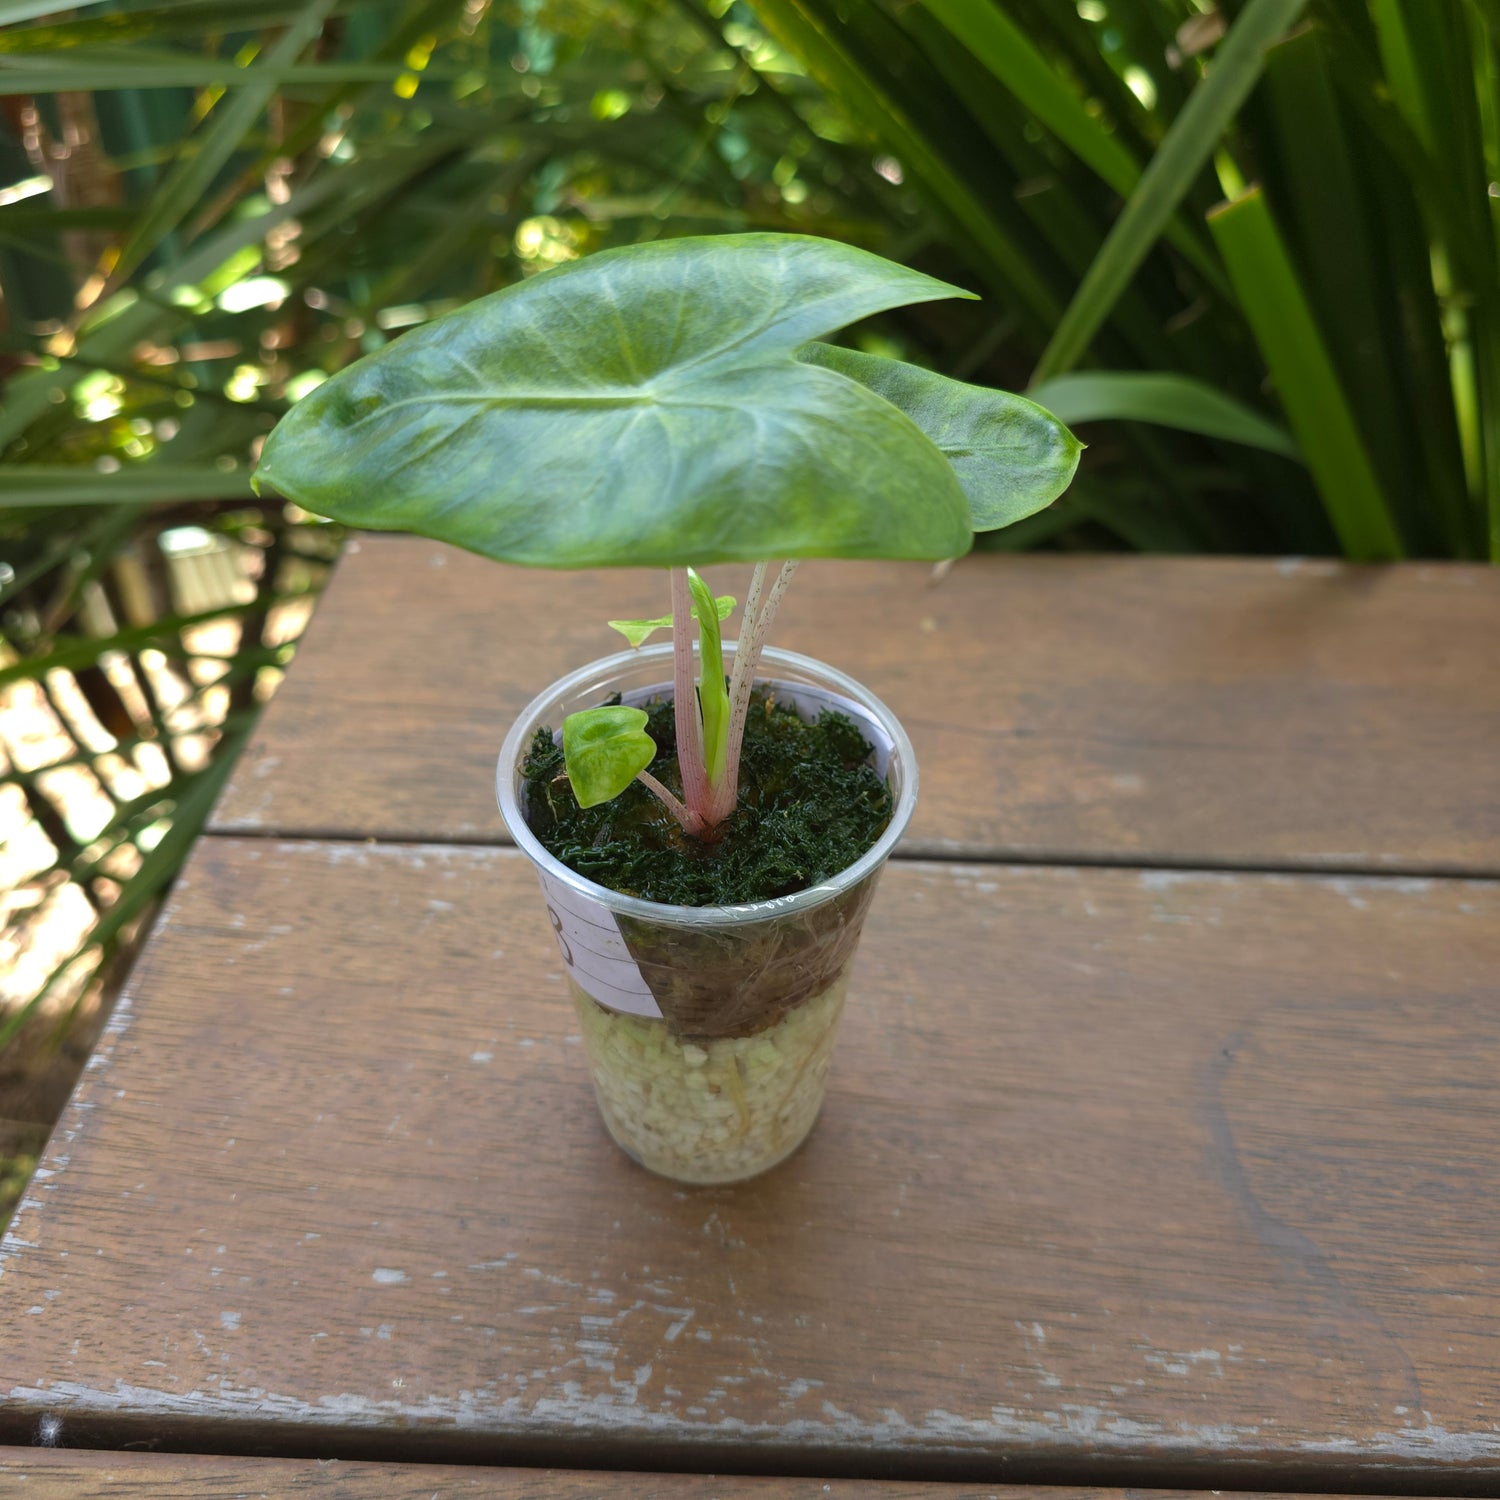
x=526, y=723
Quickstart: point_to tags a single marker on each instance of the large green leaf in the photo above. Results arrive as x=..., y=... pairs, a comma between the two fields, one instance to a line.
x=642, y=406
x=1011, y=457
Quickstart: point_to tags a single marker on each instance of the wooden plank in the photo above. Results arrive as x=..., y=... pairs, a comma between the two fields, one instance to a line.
x=1213, y=712
x=53, y=1474
x=1188, y=1178
x=82, y=1475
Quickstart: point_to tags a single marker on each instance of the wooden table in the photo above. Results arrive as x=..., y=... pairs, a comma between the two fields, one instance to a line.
x=1162, y=1140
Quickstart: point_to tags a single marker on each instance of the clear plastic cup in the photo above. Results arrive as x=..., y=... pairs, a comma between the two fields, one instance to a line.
x=708, y=1029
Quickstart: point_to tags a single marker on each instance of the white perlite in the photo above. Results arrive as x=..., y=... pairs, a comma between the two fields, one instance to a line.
x=712, y=1110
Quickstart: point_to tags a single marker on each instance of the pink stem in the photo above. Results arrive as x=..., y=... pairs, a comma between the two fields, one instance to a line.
x=695, y=789
x=754, y=629
x=691, y=823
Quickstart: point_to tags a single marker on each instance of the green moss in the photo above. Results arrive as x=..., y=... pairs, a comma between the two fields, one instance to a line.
x=810, y=805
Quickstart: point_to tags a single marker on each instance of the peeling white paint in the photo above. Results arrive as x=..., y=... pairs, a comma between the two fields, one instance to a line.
x=795, y=1390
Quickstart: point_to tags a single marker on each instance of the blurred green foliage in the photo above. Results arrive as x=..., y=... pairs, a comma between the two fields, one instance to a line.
x=207, y=206
x=1250, y=245
x=1290, y=203
x=15, y=1173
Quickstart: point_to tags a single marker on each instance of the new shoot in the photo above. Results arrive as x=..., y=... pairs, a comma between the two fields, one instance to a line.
x=605, y=749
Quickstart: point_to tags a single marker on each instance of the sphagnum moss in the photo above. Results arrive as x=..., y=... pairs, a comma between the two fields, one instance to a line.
x=810, y=805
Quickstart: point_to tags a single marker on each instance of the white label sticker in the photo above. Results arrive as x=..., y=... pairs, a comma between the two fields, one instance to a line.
x=588, y=936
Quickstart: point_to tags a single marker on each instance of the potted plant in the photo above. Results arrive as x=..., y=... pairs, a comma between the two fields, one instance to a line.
x=707, y=834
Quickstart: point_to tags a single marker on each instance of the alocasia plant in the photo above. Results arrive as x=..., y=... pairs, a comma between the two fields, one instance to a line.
x=668, y=404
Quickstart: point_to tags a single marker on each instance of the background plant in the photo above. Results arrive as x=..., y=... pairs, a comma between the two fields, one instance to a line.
x=205, y=208
x=208, y=205
x=1293, y=194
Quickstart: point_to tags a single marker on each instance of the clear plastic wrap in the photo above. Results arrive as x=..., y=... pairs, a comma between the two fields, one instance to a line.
x=709, y=1030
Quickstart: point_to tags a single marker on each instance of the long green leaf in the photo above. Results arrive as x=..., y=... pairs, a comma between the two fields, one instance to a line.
x=1409, y=197
x=12, y=11
x=1284, y=327
x=987, y=30
x=1331, y=230
x=1048, y=208
x=1438, y=40
x=68, y=484
x=1403, y=76
x=1187, y=146
x=184, y=188
x=73, y=652
x=713, y=696
x=882, y=118
x=1167, y=400
x=195, y=18
x=51, y=77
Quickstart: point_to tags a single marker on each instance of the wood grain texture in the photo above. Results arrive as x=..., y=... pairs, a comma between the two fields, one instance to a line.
x=51, y=1474
x=1225, y=713
x=54, y=1474
x=1184, y=1179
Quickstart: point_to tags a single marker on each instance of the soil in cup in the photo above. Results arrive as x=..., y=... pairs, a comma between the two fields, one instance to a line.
x=811, y=803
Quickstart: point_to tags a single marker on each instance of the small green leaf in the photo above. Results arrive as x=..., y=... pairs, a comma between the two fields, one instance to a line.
x=1012, y=457
x=713, y=696
x=604, y=750
x=642, y=406
x=637, y=632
